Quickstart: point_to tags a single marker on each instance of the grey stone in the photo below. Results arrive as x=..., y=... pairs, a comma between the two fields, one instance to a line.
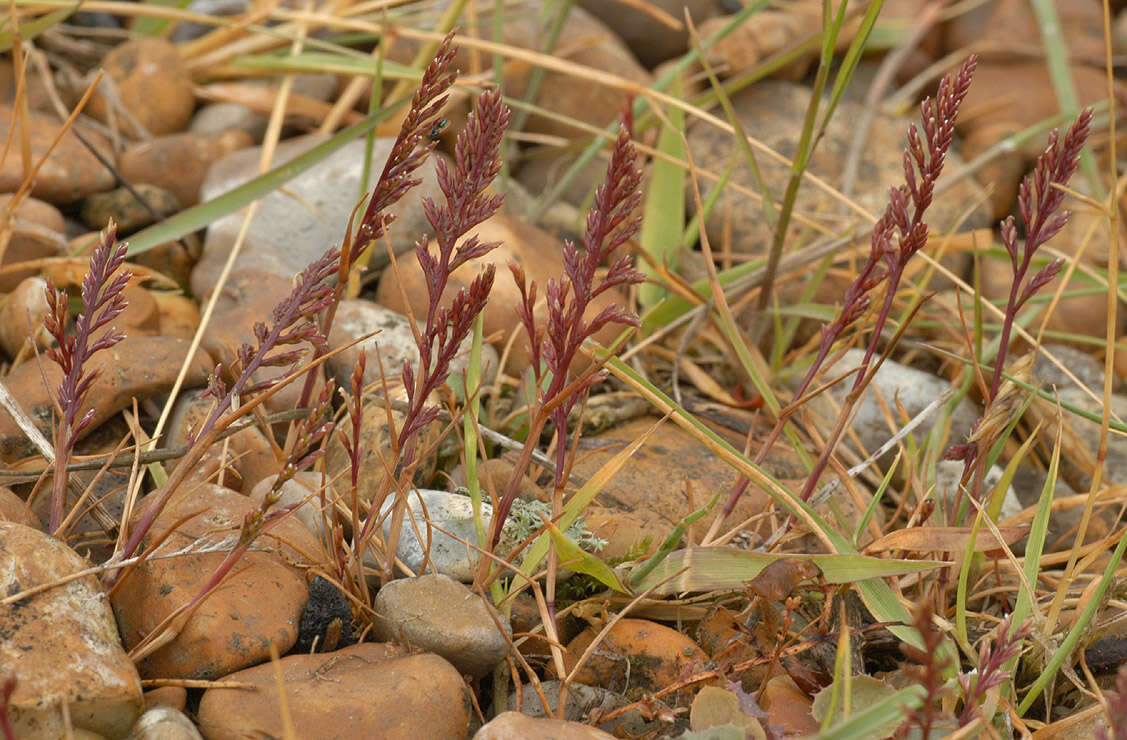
x=913, y=389
x=517, y=726
x=390, y=348
x=436, y=613
x=435, y=514
x=1087, y=369
x=581, y=701
x=949, y=472
x=296, y=223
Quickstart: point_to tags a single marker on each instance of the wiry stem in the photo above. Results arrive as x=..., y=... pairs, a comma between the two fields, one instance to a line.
x=467, y=203
x=610, y=224
x=411, y=148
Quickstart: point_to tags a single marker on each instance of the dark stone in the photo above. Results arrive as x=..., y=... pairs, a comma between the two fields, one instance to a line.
x=1106, y=654
x=327, y=618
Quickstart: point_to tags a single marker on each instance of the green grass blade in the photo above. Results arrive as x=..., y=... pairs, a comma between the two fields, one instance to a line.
x=150, y=26
x=850, y=62
x=31, y=29
x=871, y=722
x=663, y=215
x=1079, y=628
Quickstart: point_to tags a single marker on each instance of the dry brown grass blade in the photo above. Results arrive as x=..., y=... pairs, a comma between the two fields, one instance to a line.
x=945, y=539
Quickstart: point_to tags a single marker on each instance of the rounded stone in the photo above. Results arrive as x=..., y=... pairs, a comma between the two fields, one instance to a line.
x=123, y=207
x=517, y=726
x=69, y=173
x=178, y=163
x=296, y=223
x=61, y=645
x=366, y=690
x=439, y=614
x=38, y=231
x=151, y=82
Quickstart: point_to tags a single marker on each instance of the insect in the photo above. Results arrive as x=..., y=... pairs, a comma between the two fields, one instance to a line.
x=437, y=129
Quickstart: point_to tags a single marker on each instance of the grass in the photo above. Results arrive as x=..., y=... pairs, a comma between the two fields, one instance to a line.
x=995, y=639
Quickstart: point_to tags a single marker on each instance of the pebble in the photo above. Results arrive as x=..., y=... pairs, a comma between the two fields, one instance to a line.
x=442, y=616
x=896, y=383
x=788, y=708
x=137, y=367
x=69, y=174
x=126, y=211
x=187, y=30
x=583, y=40
x=537, y=252
x=248, y=298
x=377, y=441
x=259, y=604
x=390, y=348
x=215, y=119
x=775, y=110
x=651, y=40
x=164, y=723
x=174, y=697
x=250, y=456
x=15, y=509
x=517, y=726
x=179, y=162
x=582, y=702
x=647, y=498
x=326, y=620
x=436, y=513
x=178, y=315
x=296, y=223
x=1085, y=435
x=61, y=645
x=303, y=492
x=151, y=83
x=22, y=315
x=948, y=474
x=1084, y=315
x=636, y=657
x=37, y=232
x=1087, y=369
x=367, y=690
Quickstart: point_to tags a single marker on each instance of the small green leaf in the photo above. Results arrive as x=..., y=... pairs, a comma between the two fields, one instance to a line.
x=573, y=558
x=868, y=724
x=865, y=691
